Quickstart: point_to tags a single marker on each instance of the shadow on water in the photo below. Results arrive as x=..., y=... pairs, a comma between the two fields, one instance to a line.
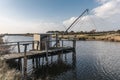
x=52, y=70
x=55, y=69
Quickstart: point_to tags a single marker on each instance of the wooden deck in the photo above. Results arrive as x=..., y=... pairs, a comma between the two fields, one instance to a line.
x=42, y=46
x=33, y=53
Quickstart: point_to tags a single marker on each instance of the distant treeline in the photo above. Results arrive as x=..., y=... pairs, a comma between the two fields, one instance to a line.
x=85, y=32
x=26, y=34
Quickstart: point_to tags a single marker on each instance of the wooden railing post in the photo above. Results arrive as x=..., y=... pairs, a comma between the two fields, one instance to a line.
x=46, y=48
x=32, y=45
x=37, y=44
x=18, y=44
x=19, y=60
x=25, y=61
x=56, y=40
x=62, y=43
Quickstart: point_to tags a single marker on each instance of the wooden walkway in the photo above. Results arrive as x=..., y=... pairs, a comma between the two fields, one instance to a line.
x=33, y=53
x=44, y=47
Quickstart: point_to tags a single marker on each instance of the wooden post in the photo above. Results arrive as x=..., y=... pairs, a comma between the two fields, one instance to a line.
x=19, y=60
x=62, y=43
x=46, y=48
x=40, y=45
x=32, y=45
x=51, y=58
x=65, y=57
x=42, y=61
x=62, y=54
x=74, y=70
x=56, y=40
x=74, y=44
x=37, y=44
x=33, y=63
x=39, y=61
x=36, y=62
x=74, y=59
x=59, y=56
x=25, y=61
x=18, y=44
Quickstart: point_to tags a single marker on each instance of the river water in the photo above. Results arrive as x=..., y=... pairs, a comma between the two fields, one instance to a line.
x=95, y=60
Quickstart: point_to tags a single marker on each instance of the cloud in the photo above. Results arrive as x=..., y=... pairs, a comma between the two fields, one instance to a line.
x=108, y=9
x=104, y=17
x=102, y=1
x=8, y=25
x=10, y=22
x=69, y=21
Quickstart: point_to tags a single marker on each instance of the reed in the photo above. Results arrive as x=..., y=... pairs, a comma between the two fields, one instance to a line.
x=97, y=37
x=6, y=73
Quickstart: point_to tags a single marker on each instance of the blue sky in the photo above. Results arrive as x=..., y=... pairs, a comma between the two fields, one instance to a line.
x=49, y=9
x=43, y=15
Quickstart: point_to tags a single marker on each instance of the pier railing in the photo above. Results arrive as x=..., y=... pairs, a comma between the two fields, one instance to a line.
x=25, y=44
x=17, y=44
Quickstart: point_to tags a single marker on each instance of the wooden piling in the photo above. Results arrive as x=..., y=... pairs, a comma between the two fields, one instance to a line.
x=42, y=61
x=56, y=40
x=59, y=57
x=62, y=43
x=18, y=44
x=46, y=48
x=32, y=45
x=74, y=44
x=51, y=58
x=37, y=44
x=74, y=59
x=19, y=60
x=39, y=61
x=25, y=61
x=65, y=57
x=36, y=62
x=33, y=63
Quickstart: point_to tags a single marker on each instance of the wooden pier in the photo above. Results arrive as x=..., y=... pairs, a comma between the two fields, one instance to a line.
x=39, y=48
x=33, y=53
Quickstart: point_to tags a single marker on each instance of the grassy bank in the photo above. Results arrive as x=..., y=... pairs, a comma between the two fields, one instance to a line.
x=98, y=37
x=6, y=73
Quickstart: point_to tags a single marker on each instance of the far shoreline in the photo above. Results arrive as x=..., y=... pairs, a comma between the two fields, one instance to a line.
x=102, y=36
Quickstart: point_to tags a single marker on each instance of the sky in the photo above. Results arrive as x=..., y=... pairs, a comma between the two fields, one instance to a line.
x=39, y=16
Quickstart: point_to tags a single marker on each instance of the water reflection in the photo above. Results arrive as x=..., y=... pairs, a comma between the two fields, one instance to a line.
x=54, y=69
x=94, y=60
x=99, y=61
